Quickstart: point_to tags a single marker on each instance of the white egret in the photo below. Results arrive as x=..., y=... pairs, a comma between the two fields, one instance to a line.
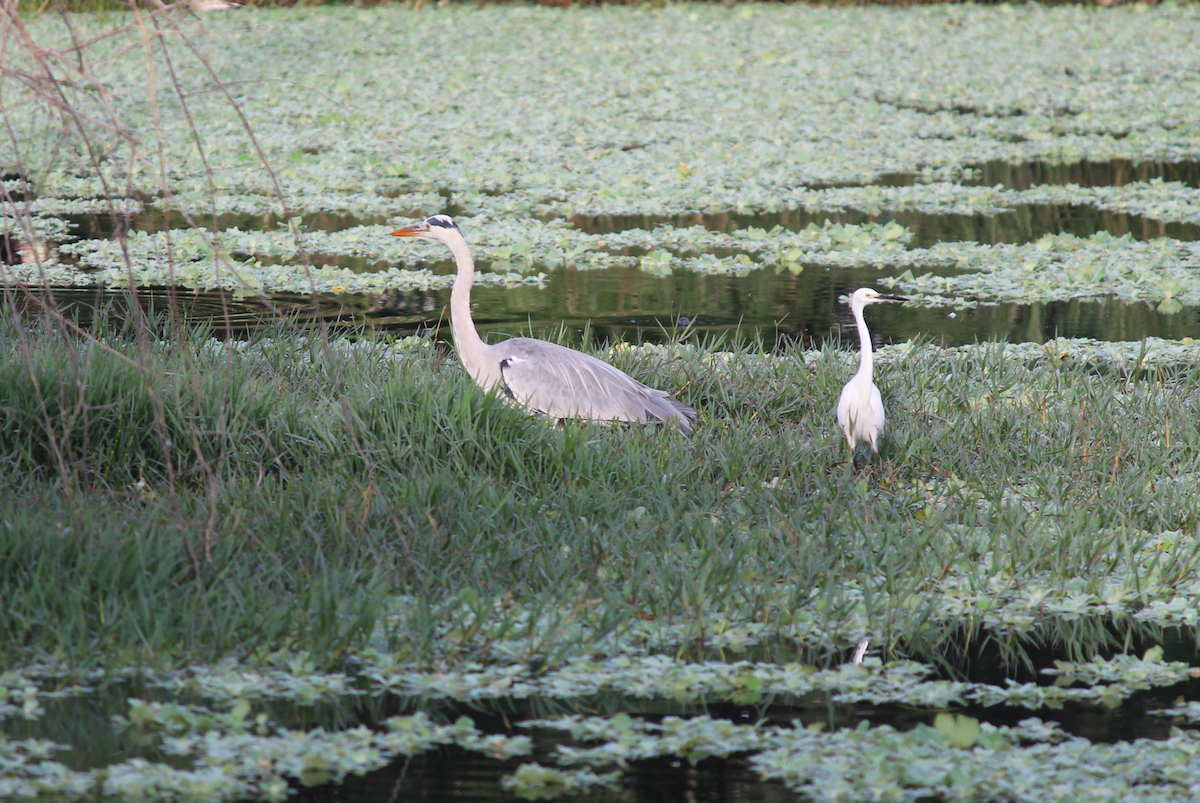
x=860, y=407
x=543, y=377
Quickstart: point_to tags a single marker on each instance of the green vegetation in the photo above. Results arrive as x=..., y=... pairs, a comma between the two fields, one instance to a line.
x=219, y=557
x=212, y=499
x=179, y=500
x=759, y=110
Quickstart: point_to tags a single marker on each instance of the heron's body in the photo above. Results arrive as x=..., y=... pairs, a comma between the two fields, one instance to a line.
x=860, y=411
x=860, y=407
x=543, y=377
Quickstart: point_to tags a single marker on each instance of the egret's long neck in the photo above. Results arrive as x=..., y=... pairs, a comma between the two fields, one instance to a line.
x=867, y=364
x=470, y=346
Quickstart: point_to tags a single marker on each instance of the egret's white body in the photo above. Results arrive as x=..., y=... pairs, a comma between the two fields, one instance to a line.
x=860, y=407
x=543, y=377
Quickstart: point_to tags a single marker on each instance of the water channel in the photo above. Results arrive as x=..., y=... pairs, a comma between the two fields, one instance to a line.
x=776, y=309
x=773, y=308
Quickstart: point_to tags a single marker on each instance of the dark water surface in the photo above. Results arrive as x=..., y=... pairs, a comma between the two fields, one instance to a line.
x=765, y=306
x=453, y=774
x=1117, y=173
x=626, y=304
x=1024, y=224
x=457, y=775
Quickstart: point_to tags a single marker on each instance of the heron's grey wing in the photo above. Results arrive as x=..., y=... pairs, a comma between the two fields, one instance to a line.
x=564, y=383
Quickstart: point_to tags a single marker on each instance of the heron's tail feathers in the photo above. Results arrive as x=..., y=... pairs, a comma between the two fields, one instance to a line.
x=669, y=409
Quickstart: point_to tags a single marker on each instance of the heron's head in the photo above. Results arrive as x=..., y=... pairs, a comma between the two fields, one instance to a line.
x=865, y=295
x=438, y=227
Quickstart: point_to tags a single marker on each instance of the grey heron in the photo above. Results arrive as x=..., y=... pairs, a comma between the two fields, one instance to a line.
x=543, y=377
x=860, y=407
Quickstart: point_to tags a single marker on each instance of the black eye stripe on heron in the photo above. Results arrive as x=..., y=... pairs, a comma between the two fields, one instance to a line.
x=543, y=377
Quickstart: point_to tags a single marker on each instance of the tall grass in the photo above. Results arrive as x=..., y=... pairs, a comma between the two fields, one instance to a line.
x=171, y=498
x=206, y=499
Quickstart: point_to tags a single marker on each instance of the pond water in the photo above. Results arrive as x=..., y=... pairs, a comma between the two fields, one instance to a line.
x=776, y=309
x=1085, y=173
x=628, y=304
x=1024, y=224
x=722, y=108
x=450, y=773
x=767, y=306
x=457, y=775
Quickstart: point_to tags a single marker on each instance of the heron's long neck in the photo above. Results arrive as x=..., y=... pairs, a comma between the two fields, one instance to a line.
x=867, y=363
x=470, y=346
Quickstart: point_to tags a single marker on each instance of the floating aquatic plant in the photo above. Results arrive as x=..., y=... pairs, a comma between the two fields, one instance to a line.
x=488, y=146
x=604, y=567
x=1001, y=764
x=535, y=782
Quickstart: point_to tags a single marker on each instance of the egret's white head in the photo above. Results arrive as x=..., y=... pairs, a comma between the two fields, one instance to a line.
x=865, y=295
x=437, y=227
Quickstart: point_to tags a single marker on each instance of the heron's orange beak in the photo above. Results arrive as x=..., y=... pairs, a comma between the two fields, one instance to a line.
x=415, y=230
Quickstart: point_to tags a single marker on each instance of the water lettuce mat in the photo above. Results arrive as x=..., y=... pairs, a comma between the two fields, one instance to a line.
x=228, y=746
x=374, y=561
x=655, y=113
